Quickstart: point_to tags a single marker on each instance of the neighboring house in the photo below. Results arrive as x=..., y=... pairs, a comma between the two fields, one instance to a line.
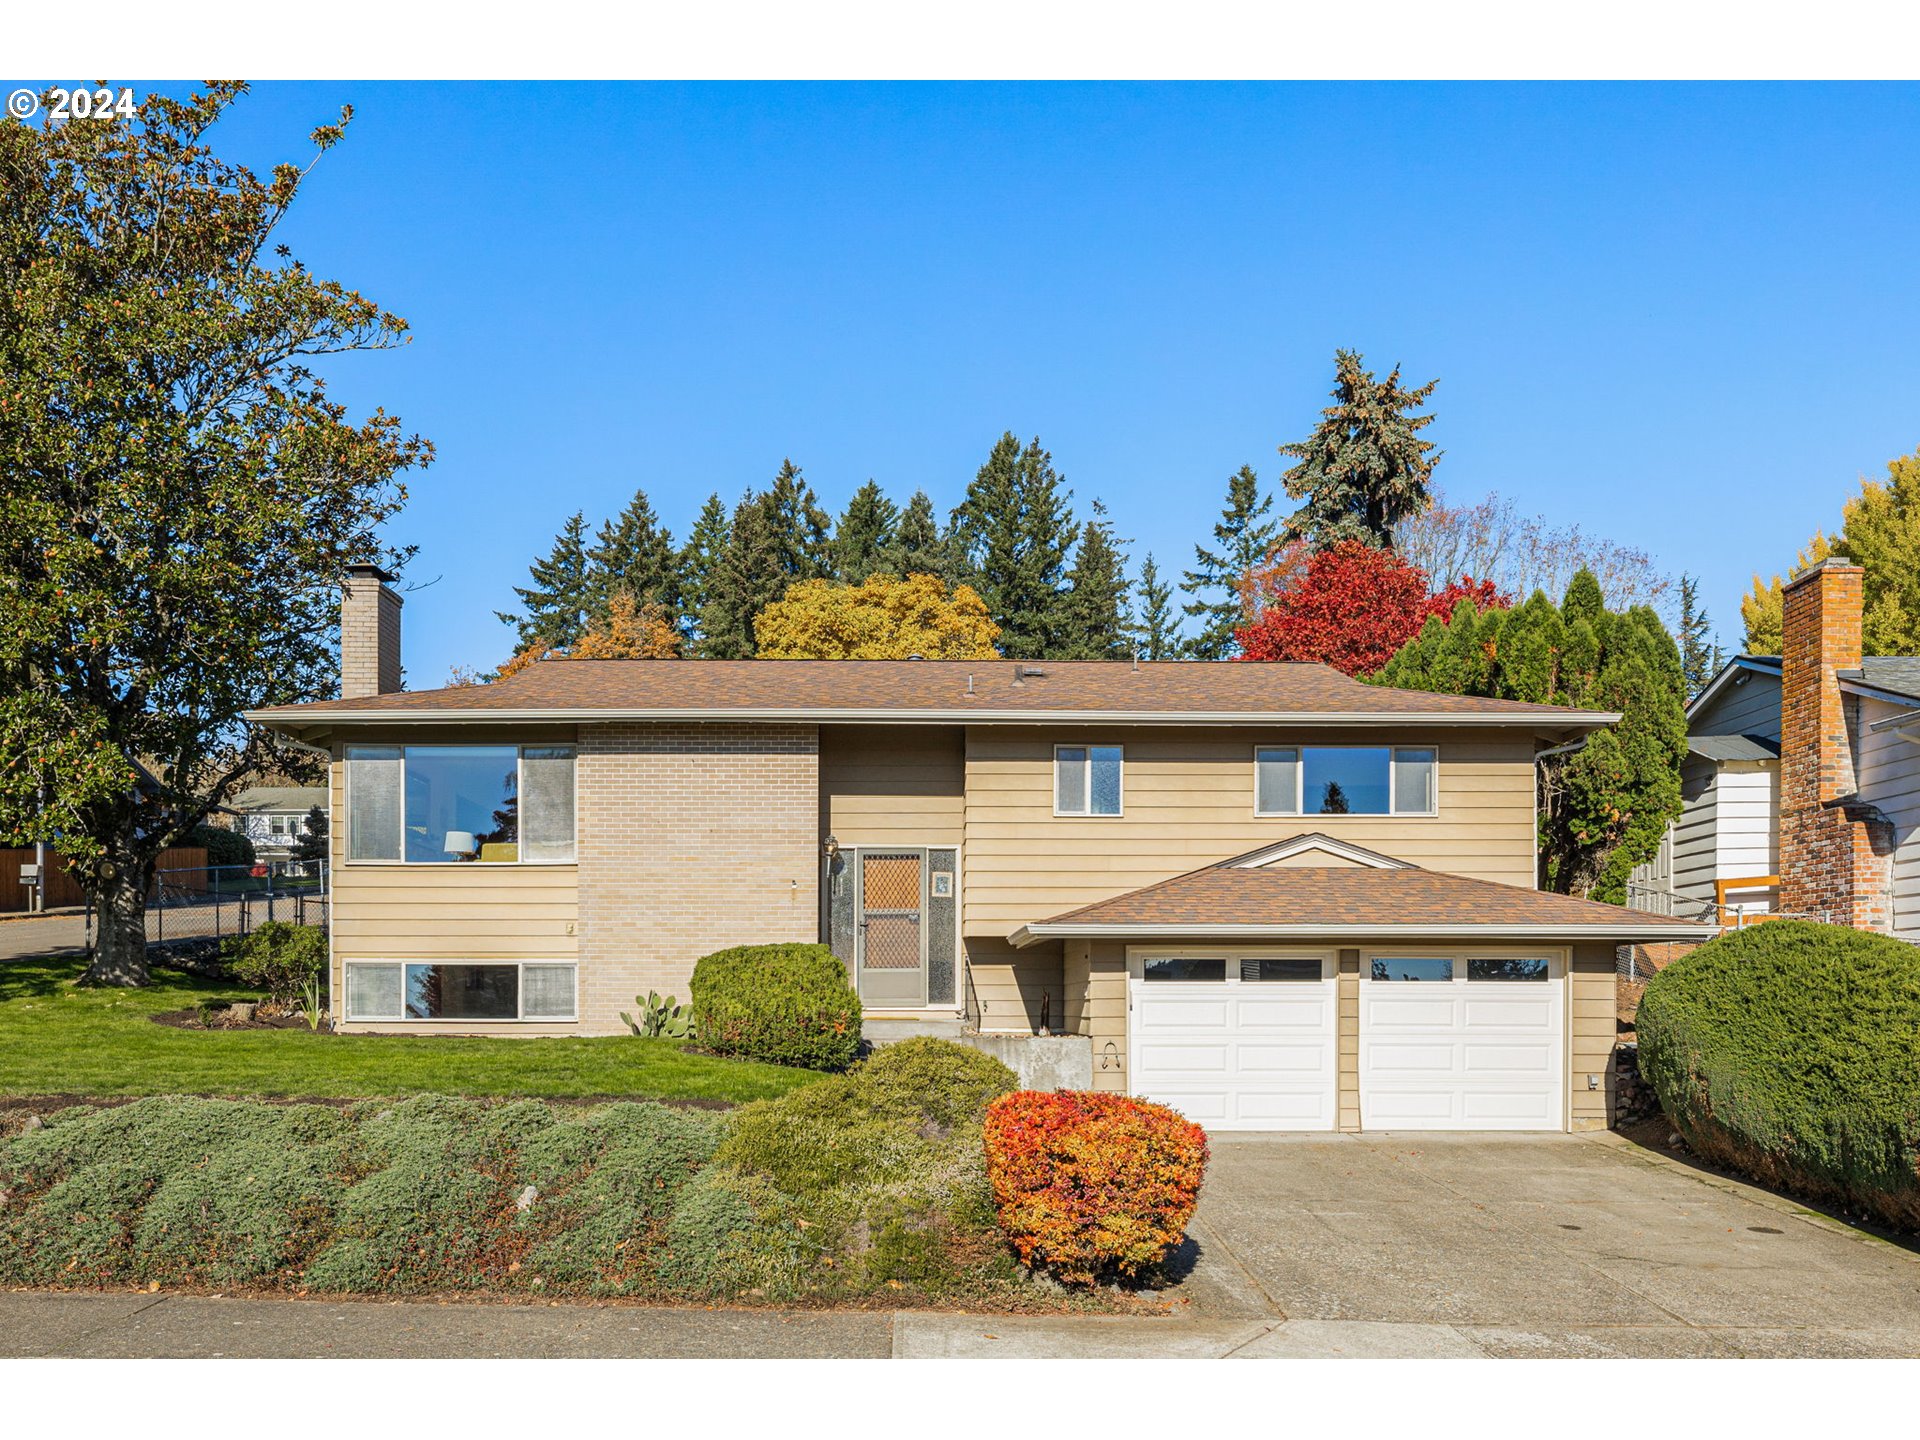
x=274, y=817
x=1802, y=785
x=1268, y=894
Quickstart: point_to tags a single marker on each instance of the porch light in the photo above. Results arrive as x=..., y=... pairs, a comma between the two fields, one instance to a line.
x=830, y=847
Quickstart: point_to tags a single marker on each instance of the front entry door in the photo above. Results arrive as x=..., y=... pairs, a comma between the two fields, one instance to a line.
x=892, y=929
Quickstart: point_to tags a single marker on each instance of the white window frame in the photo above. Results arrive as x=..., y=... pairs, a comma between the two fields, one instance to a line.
x=1089, y=813
x=1300, y=779
x=519, y=761
x=519, y=990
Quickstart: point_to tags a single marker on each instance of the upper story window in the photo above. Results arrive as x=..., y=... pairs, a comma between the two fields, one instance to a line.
x=1086, y=779
x=1344, y=780
x=455, y=804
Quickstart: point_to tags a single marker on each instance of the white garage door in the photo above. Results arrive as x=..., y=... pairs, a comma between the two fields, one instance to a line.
x=1243, y=1042
x=1462, y=1043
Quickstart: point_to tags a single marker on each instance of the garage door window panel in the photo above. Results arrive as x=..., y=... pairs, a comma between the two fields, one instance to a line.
x=1525, y=969
x=1186, y=968
x=1278, y=969
x=1412, y=969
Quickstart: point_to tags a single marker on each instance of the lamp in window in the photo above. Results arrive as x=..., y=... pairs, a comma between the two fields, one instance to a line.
x=460, y=844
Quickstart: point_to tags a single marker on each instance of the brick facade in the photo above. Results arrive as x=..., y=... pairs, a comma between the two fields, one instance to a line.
x=693, y=837
x=1832, y=861
x=369, y=634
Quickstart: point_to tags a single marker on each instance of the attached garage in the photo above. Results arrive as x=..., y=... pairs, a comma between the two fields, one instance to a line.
x=1241, y=1041
x=1314, y=985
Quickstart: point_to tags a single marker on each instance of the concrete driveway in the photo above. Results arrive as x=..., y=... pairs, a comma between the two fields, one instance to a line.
x=1488, y=1245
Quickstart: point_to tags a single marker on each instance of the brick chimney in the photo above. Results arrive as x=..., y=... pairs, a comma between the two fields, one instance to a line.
x=1833, y=863
x=369, y=633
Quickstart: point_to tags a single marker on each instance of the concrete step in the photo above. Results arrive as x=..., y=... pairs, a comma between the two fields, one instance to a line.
x=877, y=1030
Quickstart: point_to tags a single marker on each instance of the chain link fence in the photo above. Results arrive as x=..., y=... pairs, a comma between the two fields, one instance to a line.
x=197, y=910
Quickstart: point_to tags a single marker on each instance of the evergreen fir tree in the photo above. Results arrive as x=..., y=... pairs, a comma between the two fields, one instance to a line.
x=1155, y=629
x=801, y=530
x=1244, y=538
x=700, y=559
x=1365, y=468
x=919, y=547
x=1015, y=529
x=557, y=603
x=750, y=575
x=1699, y=655
x=1094, y=611
x=865, y=535
x=633, y=554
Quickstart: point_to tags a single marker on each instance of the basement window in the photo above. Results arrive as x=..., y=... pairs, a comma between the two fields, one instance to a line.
x=441, y=990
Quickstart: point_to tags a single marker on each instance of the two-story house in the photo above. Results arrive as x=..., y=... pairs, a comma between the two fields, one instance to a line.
x=1802, y=785
x=1268, y=894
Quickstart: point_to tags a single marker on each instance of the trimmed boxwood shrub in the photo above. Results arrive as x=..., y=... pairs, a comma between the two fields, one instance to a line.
x=1090, y=1185
x=785, y=1004
x=286, y=962
x=1790, y=1051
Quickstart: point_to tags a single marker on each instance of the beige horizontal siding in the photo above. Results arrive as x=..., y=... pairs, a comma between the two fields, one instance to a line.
x=1595, y=1032
x=1006, y=986
x=1188, y=801
x=893, y=784
x=449, y=912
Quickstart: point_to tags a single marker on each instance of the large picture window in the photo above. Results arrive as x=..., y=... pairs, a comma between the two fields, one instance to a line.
x=460, y=804
x=1086, y=779
x=458, y=990
x=1344, y=780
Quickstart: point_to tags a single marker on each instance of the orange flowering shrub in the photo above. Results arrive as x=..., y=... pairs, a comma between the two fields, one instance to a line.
x=1089, y=1184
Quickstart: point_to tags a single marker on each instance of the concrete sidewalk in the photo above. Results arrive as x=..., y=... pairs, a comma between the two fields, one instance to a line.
x=203, y=1327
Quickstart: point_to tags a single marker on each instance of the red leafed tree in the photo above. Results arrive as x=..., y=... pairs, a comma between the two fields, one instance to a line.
x=1350, y=606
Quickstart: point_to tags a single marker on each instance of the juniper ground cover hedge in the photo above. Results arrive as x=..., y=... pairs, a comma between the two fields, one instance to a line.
x=872, y=1183
x=1791, y=1051
x=1092, y=1185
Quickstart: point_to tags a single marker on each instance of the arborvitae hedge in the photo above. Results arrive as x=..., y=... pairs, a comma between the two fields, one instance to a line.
x=1791, y=1051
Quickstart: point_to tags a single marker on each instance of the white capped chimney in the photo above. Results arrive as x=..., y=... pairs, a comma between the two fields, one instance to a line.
x=369, y=633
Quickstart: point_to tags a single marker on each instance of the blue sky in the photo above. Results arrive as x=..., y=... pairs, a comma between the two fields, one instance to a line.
x=1683, y=316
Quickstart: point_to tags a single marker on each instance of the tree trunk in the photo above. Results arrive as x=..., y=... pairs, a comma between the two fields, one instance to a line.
x=120, y=929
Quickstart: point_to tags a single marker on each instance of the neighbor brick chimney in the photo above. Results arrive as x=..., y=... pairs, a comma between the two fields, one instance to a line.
x=1833, y=855
x=369, y=633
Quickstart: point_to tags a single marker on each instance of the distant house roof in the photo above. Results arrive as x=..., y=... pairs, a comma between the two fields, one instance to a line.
x=1231, y=901
x=1730, y=673
x=279, y=797
x=946, y=691
x=1895, y=675
x=1734, y=747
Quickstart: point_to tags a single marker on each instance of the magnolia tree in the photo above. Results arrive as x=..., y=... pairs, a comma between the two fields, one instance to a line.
x=178, y=494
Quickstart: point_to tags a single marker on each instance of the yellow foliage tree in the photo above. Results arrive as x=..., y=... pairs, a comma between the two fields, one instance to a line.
x=1760, y=607
x=884, y=618
x=628, y=630
x=1880, y=532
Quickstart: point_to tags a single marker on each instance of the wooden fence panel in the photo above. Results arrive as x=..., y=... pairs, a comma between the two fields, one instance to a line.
x=63, y=889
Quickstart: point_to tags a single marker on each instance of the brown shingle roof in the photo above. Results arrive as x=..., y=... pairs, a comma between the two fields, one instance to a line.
x=926, y=689
x=1227, y=901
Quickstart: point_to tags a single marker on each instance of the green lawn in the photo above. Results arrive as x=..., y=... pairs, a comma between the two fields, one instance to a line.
x=56, y=1039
